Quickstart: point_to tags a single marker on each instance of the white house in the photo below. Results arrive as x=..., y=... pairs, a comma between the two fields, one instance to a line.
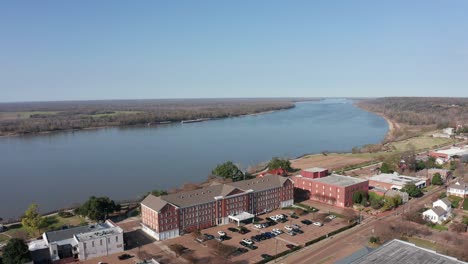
x=444, y=204
x=440, y=212
x=459, y=189
x=83, y=242
x=448, y=131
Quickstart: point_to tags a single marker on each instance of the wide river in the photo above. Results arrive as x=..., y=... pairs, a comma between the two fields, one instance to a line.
x=62, y=169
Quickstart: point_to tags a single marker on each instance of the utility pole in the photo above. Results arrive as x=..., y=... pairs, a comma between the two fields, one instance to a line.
x=276, y=248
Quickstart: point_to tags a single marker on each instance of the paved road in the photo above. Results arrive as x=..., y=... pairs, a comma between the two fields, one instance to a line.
x=347, y=242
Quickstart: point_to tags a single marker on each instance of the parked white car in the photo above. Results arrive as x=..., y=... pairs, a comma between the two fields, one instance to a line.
x=277, y=231
x=274, y=217
x=248, y=241
x=259, y=226
x=221, y=233
x=296, y=226
x=288, y=228
x=331, y=217
x=317, y=223
x=280, y=216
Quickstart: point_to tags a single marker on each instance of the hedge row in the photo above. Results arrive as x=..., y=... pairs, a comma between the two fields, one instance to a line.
x=284, y=253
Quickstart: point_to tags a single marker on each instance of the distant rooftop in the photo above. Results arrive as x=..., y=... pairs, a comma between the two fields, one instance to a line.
x=315, y=169
x=454, y=151
x=338, y=180
x=110, y=230
x=400, y=252
x=395, y=179
x=67, y=234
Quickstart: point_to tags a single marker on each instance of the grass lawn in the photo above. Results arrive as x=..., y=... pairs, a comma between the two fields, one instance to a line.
x=440, y=227
x=3, y=238
x=23, y=115
x=465, y=205
x=422, y=243
x=53, y=223
x=455, y=200
x=56, y=222
x=116, y=113
x=428, y=188
x=421, y=142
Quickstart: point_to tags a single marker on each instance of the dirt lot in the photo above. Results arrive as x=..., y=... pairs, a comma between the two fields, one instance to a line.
x=331, y=161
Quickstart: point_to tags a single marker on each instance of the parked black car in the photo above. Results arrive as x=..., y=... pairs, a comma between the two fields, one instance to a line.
x=233, y=229
x=208, y=236
x=125, y=256
x=253, y=247
x=239, y=251
x=294, y=216
x=266, y=256
x=298, y=231
x=306, y=222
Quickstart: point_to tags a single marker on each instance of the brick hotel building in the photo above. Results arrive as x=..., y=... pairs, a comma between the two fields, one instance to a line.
x=335, y=189
x=171, y=215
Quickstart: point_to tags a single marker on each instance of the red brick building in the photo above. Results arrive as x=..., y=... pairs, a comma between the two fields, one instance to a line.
x=171, y=215
x=335, y=189
x=314, y=173
x=278, y=171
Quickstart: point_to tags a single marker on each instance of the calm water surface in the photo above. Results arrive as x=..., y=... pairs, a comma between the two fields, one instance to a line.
x=62, y=169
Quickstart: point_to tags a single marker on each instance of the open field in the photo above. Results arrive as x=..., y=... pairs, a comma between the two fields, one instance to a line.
x=332, y=161
x=420, y=143
x=336, y=161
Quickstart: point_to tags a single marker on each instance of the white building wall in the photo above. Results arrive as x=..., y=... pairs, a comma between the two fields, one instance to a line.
x=160, y=235
x=287, y=203
x=429, y=215
x=101, y=246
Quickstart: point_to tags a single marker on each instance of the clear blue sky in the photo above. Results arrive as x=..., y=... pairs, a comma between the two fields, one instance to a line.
x=75, y=50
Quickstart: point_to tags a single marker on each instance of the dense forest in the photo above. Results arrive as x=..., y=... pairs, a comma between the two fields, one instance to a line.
x=37, y=117
x=442, y=112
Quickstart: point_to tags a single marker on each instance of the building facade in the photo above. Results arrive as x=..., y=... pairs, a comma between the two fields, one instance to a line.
x=335, y=189
x=459, y=189
x=172, y=215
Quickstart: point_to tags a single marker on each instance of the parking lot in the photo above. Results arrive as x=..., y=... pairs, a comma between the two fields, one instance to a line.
x=271, y=246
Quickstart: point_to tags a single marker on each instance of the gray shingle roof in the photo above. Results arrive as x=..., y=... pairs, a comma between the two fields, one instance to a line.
x=438, y=210
x=266, y=182
x=400, y=252
x=153, y=202
x=189, y=198
x=459, y=186
x=208, y=194
x=446, y=202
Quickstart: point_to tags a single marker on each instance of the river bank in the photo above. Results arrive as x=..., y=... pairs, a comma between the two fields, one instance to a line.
x=159, y=123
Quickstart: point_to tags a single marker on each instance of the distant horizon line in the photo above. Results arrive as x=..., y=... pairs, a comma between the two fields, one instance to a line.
x=225, y=98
